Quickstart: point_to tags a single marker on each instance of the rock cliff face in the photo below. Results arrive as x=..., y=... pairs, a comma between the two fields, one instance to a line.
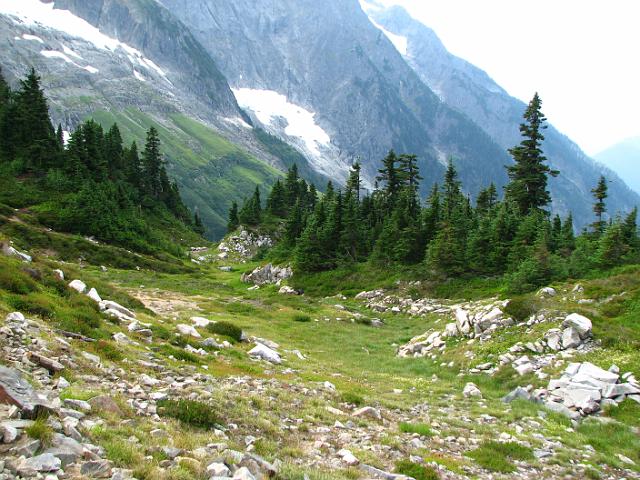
x=328, y=58
x=472, y=92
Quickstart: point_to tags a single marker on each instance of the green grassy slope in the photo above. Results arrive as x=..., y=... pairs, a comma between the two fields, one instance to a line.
x=210, y=170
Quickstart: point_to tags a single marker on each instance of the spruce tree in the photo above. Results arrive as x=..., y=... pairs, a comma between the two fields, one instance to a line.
x=233, y=221
x=390, y=178
x=599, y=207
x=529, y=175
x=152, y=164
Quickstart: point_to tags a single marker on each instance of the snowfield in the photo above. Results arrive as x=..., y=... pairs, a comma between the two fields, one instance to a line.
x=268, y=106
x=36, y=13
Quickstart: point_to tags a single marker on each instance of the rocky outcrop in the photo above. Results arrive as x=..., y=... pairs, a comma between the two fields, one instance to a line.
x=583, y=389
x=243, y=246
x=269, y=274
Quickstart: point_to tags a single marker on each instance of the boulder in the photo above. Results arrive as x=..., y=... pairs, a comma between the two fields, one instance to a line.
x=369, y=412
x=41, y=463
x=518, y=393
x=64, y=448
x=570, y=338
x=93, y=295
x=580, y=323
x=96, y=469
x=347, y=457
x=546, y=292
x=9, y=251
x=287, y=290
x=591, y=370
x=200, y=321
x=471, y=390
x=267, y=274
x=188, y=331
x=58, y=274
x=15, y=390
x=265, y=353
x=78, y=285
x=105, y=403
x=111, y=305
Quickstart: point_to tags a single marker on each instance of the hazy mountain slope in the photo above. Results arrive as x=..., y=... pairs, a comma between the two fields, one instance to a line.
x=624, y=159
x=472, y=92
x=327, y=58
x=131, y=57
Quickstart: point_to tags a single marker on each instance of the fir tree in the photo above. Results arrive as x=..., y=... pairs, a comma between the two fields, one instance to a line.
x=528, y=176
x=233, y=221
x=599, y=207
x=152, y=164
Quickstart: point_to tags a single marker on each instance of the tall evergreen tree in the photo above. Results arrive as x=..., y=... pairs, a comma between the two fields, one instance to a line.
x=529, y=175
x=599, y=207
x=152, y=164
x=233, y=221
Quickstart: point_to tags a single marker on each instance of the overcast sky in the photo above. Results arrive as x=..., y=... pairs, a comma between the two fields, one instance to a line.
x=582, y=56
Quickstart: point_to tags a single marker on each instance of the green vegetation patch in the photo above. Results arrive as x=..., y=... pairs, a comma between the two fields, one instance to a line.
x=191, y=412
x=226, y=329
x=416, y=471
x=496, y=456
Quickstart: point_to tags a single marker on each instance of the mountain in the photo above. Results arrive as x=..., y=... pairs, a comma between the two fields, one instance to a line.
x=624, y=159
x=241, y=91
x=471, y=91
x=327, y=59
x=132, y=62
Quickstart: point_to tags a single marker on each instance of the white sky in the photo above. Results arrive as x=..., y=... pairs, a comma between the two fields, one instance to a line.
x=582, y=56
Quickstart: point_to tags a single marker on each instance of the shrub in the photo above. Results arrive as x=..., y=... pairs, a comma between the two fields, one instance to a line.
x=108, y=350
x=226, y=329
x=419, y=428
x=16, y=281
x=34, y=303
x=179, y=354
x=353, y=398
x=521, y=308
x=495, y=456
x=416, y=471
x=191, y=412
x=301, y=318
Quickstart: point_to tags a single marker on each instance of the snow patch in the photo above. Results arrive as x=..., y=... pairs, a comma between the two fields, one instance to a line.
x=36, y=13
x=91, y=69
x=56, y=54
x=66, y=135
x=399, y=42
x=26, y=36
x=68, y=51
x=139, y=76
x=268, y=106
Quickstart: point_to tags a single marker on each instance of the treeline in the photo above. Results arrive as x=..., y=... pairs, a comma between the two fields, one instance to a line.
x=93, y=185
x=514, y=235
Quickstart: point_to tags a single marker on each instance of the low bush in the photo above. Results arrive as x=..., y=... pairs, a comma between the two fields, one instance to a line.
x=34, y=303
x=419, y=428
x=353, y=398
x=226, y=329
x=416, y=471
x=521, y=308
x=191, y=412
x=301, y=318
x=496, y=456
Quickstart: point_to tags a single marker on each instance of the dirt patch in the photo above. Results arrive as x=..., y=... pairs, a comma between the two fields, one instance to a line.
x=165, y=303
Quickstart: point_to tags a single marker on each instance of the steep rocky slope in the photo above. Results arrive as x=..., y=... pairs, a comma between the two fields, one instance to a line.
x=472, y=92
x=624, y=159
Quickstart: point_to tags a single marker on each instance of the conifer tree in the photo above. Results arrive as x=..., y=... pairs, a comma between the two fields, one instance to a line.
x=152, y=164
x=529, y=175
x=390, y=178
x=294, y=225
x=197, y=223
x=233, y=221
x=599, y=207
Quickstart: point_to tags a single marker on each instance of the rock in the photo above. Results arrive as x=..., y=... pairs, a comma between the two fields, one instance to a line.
x=570, y=338
x=8, y=433
x=78, y=285
x=62, y=383
x=243, y=473
x=41, y=463
x=450, y=330
x=624, y=459
x=105, y=403
x=210, y=342
x=188, y=331
x=51, y=365
x=348, y=457
x=580, y=323
x=66, y=449
x=554, y=339
x=590, y=370
x=561, y=409
x=218, y=470
x=9, y=251
x=518, y=393
x=265, y=353
x=107, y=305
x=267, y=274
x=471, y=390
x=77, y=404
x=91, y=357
x=120, y=337
x=524, y=368
x=287, y=290
x=200, y=322
x=96, y=469
x=15, y=390
x=58, y=275
x=93, y=295
x=373, y=472
x=369, y=412
x=15, y=317
x=546, y=292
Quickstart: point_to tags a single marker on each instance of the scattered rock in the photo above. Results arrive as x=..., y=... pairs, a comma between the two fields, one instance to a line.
x=78, y=285
x=471, y=390
x=268, y=274
x=265, y=353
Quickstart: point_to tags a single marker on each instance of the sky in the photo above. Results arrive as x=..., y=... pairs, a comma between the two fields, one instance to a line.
x=581, y=56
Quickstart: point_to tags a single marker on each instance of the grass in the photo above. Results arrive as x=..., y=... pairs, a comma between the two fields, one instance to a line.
x=416, y=471
x=40, y=430
x=190, y=412
x=420, y=428
x=497, y=456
